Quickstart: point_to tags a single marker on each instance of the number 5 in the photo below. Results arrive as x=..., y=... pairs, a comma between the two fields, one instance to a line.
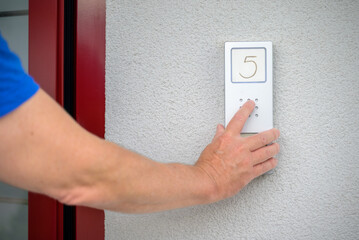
x=250, y=61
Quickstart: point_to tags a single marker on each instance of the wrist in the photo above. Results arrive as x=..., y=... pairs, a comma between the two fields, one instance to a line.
x=195, y=186
x=208, y=186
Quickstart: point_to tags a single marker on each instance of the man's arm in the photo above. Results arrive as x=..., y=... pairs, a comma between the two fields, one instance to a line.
x=44, y=150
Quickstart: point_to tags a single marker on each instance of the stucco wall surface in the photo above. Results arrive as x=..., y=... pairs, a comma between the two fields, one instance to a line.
x=165, y=95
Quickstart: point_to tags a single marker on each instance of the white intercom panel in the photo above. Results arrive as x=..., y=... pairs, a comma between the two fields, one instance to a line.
x=248, y=75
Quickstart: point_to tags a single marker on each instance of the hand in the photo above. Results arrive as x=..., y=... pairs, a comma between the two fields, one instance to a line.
x=230, y=161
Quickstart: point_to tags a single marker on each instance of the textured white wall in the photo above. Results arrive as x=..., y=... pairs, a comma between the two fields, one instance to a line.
x=165, y=95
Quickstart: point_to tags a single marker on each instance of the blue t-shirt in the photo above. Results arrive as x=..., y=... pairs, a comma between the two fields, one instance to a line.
x=16, y=86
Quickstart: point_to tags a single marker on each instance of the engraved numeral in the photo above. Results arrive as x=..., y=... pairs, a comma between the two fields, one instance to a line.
x=250, y=61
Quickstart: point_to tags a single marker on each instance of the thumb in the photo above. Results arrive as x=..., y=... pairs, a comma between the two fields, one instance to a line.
x=219, y=131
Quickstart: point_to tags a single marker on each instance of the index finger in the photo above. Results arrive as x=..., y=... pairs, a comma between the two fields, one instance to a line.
x=240, y=117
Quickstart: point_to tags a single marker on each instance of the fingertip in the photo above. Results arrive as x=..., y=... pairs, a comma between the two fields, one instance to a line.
x=275, y=162
x=277, y=132
x=278, y=147
x=251, y=102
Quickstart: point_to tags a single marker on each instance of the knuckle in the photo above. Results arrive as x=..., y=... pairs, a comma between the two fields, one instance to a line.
x=265, y=167
x=269, y=152
x=223, y=141
x=225, y=138
x=274, y=149
x=263, y=139
x=241, y=150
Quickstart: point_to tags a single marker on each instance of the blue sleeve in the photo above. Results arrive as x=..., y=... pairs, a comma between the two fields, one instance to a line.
x=16, y=86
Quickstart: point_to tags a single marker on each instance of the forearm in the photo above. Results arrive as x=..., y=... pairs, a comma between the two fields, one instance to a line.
x=44, y=150
x=133, y=183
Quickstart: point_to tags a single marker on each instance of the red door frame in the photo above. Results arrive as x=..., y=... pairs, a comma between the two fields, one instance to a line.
x=46, y=66
x=90, y=95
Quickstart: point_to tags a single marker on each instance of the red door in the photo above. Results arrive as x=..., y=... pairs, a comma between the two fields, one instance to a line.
x=72, y=72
